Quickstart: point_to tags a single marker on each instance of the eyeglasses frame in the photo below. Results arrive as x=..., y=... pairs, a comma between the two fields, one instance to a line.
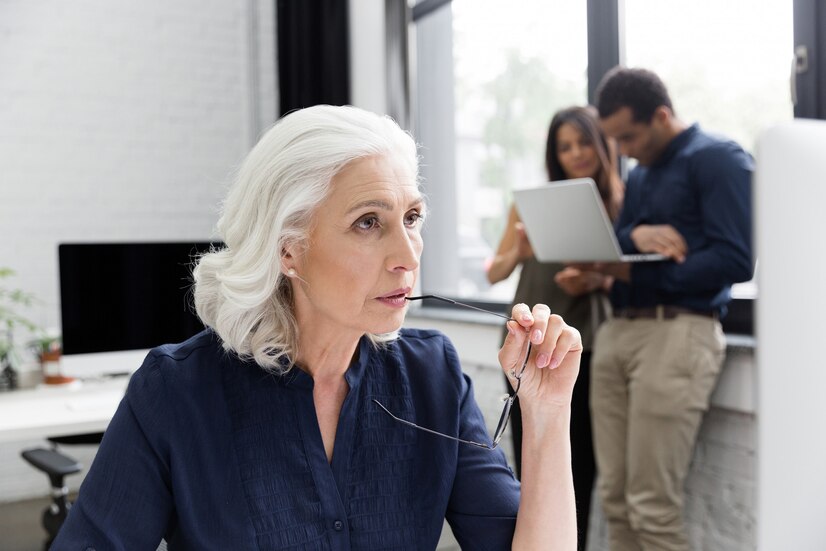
x=509, y=399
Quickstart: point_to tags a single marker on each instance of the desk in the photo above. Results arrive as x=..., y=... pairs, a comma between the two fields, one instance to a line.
x=43, y=412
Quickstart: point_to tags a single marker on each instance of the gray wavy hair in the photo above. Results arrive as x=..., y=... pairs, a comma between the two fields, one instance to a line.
x=239, y=290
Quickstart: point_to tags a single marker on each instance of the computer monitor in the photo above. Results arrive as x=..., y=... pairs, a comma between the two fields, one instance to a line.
x=118, y=300
x=791, y=452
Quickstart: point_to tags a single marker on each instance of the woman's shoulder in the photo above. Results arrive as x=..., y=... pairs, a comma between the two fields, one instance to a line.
x=172, y=365
x=429, y=362
x=429, y=350
x=429, y=340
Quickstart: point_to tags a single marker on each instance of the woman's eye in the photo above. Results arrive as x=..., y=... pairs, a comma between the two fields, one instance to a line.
x=413, y=218
x=367, y=223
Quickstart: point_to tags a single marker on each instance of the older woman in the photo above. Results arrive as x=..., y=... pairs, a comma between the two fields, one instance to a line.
x=278, y=426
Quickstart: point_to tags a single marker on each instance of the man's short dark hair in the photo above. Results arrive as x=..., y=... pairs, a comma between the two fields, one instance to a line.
x=640, y=90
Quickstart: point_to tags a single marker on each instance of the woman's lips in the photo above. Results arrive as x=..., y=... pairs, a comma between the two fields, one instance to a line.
x=395, y=299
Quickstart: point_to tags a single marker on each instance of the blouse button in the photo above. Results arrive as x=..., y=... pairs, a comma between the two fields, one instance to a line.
x=338, y=525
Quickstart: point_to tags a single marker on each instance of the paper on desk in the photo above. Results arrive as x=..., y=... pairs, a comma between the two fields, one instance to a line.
x=108, y=401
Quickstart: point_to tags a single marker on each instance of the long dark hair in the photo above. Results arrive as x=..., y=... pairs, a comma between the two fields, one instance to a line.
x=607, y=178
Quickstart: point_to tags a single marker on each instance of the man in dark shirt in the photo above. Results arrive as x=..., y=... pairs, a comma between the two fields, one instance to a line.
x=656, y=363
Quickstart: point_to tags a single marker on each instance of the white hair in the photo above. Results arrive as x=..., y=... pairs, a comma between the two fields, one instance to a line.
x=239, y=290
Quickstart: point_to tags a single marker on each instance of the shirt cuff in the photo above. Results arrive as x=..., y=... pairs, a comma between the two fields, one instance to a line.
x=625, y=241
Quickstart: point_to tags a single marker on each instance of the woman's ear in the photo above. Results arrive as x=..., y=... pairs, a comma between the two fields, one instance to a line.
x=288, y=261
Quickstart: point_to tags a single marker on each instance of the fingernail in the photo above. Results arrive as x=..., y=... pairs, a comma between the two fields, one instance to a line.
x=525, y=317
x=542, y=360
x=554, y=363
x=537, y=336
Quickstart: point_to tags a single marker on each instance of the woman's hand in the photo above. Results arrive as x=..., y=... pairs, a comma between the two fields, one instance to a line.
x=521, y=246
x=553, y=365
x=576, y=282
x=547, y=510
x=513, y=249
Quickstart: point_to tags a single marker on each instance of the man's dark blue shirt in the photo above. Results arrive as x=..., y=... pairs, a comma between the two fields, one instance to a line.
x=700, y=185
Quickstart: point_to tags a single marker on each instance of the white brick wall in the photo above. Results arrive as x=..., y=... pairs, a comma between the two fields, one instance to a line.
x=120, y=121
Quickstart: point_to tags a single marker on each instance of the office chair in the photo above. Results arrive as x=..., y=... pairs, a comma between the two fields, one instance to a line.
x=57, y=466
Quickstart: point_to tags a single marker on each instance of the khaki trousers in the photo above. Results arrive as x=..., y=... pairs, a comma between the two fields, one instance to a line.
x=651, y=380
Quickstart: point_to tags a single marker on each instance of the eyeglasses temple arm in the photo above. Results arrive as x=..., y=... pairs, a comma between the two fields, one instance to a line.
x=414, y=425
x=457, y=303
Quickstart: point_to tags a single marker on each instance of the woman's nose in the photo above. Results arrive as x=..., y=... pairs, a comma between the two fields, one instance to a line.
x=405, y=251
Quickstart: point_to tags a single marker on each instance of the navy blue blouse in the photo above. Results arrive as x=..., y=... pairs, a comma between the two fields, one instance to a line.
x=210, y=452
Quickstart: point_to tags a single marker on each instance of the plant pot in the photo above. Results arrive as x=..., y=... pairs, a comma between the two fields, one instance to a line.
x=50, y=364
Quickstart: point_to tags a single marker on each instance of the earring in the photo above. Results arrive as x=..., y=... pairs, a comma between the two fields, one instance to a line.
x=291, y=273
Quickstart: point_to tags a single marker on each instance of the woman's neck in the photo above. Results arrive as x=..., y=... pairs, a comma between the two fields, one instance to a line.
x=326, y=360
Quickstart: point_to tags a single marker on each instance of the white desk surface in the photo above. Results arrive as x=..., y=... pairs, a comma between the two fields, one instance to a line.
x=43, y=411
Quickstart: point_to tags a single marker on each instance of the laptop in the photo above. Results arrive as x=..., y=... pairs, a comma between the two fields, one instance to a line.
x=566, y=222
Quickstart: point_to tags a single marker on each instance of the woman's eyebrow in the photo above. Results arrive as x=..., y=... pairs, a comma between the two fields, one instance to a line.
x=372, y=203
x=383, y=205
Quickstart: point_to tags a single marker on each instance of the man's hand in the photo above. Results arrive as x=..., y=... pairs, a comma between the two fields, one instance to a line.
x=662, y=239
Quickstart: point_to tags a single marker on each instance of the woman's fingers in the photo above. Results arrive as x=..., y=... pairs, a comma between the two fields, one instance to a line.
x=511, y=355
x=511, y=352
x=547, y=353
x=549, y=335
x=522, y=314
x=527, y=326
x=568, y=340
x=540, y=314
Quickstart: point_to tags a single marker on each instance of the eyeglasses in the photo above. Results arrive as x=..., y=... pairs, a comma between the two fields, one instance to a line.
x=508, y=399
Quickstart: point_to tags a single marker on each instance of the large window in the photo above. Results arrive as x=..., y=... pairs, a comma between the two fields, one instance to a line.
x=734, y=80
x=514, y=65
x=726, y=65
x=483, y=111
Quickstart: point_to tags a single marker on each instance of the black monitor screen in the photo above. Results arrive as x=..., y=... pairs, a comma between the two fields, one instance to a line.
x=126, y=296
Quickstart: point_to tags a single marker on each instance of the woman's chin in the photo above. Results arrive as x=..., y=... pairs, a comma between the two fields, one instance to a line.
x=389, y=325
x=583, y=174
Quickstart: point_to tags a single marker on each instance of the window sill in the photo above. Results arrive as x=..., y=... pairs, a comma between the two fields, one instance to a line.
x=459, y=315
x=477, y=338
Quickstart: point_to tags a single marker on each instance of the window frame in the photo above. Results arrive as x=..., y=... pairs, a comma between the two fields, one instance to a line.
x=810, y=85
x=605, y=50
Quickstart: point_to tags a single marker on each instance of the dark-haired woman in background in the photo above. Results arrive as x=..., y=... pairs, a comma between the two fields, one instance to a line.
x=576, y=148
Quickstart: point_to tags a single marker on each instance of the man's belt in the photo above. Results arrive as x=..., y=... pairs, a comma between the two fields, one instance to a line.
x=661, y=311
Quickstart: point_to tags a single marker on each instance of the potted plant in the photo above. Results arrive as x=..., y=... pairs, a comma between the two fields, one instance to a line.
x=47, y=347
x=10, y=320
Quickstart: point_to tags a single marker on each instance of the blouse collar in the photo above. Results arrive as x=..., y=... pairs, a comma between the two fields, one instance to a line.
x=298, y=378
